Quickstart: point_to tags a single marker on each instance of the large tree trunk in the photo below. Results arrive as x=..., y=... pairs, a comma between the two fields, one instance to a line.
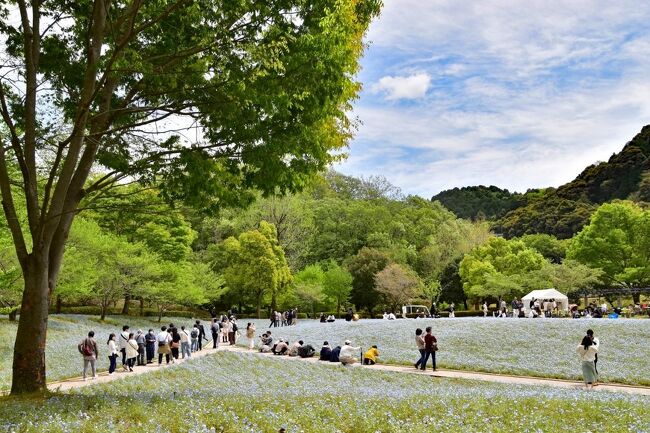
x=58, y=304
x=102, y=316
x=259, y=307
x=127, y=301
x=29, y=349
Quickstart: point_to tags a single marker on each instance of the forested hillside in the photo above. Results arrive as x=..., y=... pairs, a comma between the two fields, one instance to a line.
x=561, y=212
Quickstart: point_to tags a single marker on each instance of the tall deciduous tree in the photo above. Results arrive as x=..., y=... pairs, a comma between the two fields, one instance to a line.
x=337, y=284
x=398, y=284
x=501, y=268
x=617, y=241
x=363, y=267
x=109, y=83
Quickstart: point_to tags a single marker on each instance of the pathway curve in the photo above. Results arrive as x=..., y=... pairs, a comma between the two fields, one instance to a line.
x=68, y=384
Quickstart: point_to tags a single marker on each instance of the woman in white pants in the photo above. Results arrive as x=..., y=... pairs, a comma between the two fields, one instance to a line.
x=250, y=334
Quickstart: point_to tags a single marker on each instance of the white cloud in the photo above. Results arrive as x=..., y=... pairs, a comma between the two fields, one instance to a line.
x=518, y=94
x=410, y=87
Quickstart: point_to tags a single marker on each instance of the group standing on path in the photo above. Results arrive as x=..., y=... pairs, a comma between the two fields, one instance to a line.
x=140, y=349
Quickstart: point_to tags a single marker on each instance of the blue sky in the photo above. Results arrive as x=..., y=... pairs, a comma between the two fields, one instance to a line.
x=518, y=94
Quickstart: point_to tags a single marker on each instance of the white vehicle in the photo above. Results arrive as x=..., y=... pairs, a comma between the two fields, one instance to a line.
x=414, y=311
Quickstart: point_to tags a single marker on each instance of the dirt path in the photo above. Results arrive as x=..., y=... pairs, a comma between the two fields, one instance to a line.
x=65, y=385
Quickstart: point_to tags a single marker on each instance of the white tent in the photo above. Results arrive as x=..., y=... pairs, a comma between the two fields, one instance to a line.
x=546, y=295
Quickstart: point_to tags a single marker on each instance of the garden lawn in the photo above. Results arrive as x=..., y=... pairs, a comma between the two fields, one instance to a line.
x=535, y=347
x=64, y=334
x=239, y=392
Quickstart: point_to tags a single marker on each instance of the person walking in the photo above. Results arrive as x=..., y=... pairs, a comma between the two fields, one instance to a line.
x=587, y=351
x=112, y=354
x=430, y=347
x=88, y=349
x=164, y=341
x=124, y=338
x=139, y=337
x=515, y=308
x=131, y=351
x=215, y=330
x=194, y=337
x=419, y=343
x=250, y=334
x=185, y=343
x=485, y=309
x=201, y=334
x=150, y=343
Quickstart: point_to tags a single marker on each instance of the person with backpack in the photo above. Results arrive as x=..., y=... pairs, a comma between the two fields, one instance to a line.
x=88, y=349
x=250, y=334
x=124, y=338
x=150, y=345
x=201, y=334
x=176, y=343
x=194, y=338
x=164, y=341
x=185, y=343
x=215, y=329
x=112, y=354
x=232, y=331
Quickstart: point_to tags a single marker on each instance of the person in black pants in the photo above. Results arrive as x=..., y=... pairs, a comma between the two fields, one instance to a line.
x=150, y=345
x=215, y=328
x=201, y=334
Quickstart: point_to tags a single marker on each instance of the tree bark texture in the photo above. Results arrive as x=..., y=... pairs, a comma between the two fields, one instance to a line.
x=29, y=349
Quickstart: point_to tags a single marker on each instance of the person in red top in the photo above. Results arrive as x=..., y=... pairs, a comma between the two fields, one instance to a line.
x=430, y=347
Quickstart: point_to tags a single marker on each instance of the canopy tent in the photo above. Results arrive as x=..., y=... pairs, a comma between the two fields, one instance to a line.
x=546, y=295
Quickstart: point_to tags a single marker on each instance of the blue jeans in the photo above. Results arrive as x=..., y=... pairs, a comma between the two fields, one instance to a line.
x=421, y=360
x=195, y=345
x=432, y=354
x=185, y=350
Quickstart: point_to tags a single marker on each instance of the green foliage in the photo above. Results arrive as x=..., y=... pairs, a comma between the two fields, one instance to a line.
x=254, y=265
x=501, y=268
x=617, y=241
x=337, y=284
x=565, y=211
x=363, y=267
x=547, y=245
x=479, y=202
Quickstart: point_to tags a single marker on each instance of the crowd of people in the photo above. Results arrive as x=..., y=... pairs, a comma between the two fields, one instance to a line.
x=171, y=343
x=286, y=318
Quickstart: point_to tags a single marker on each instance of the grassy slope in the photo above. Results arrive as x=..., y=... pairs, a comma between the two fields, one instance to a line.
x=64, y=333
x=229, y=392
x=540, y=347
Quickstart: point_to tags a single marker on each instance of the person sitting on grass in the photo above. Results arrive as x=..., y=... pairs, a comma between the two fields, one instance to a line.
x=371, y=355
x=281, y=347
x=334, y=356
x=347, y=353
x=266, y=343
x=293, y=350
x=306, y=351
x=325, y=352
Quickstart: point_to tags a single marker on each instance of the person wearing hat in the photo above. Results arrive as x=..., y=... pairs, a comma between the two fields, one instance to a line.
x=347, y=353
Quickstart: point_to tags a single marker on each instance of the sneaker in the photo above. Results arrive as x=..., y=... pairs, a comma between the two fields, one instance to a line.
x=125, y=368
x=110, y=374
x=130, y=369
x=84, y=379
